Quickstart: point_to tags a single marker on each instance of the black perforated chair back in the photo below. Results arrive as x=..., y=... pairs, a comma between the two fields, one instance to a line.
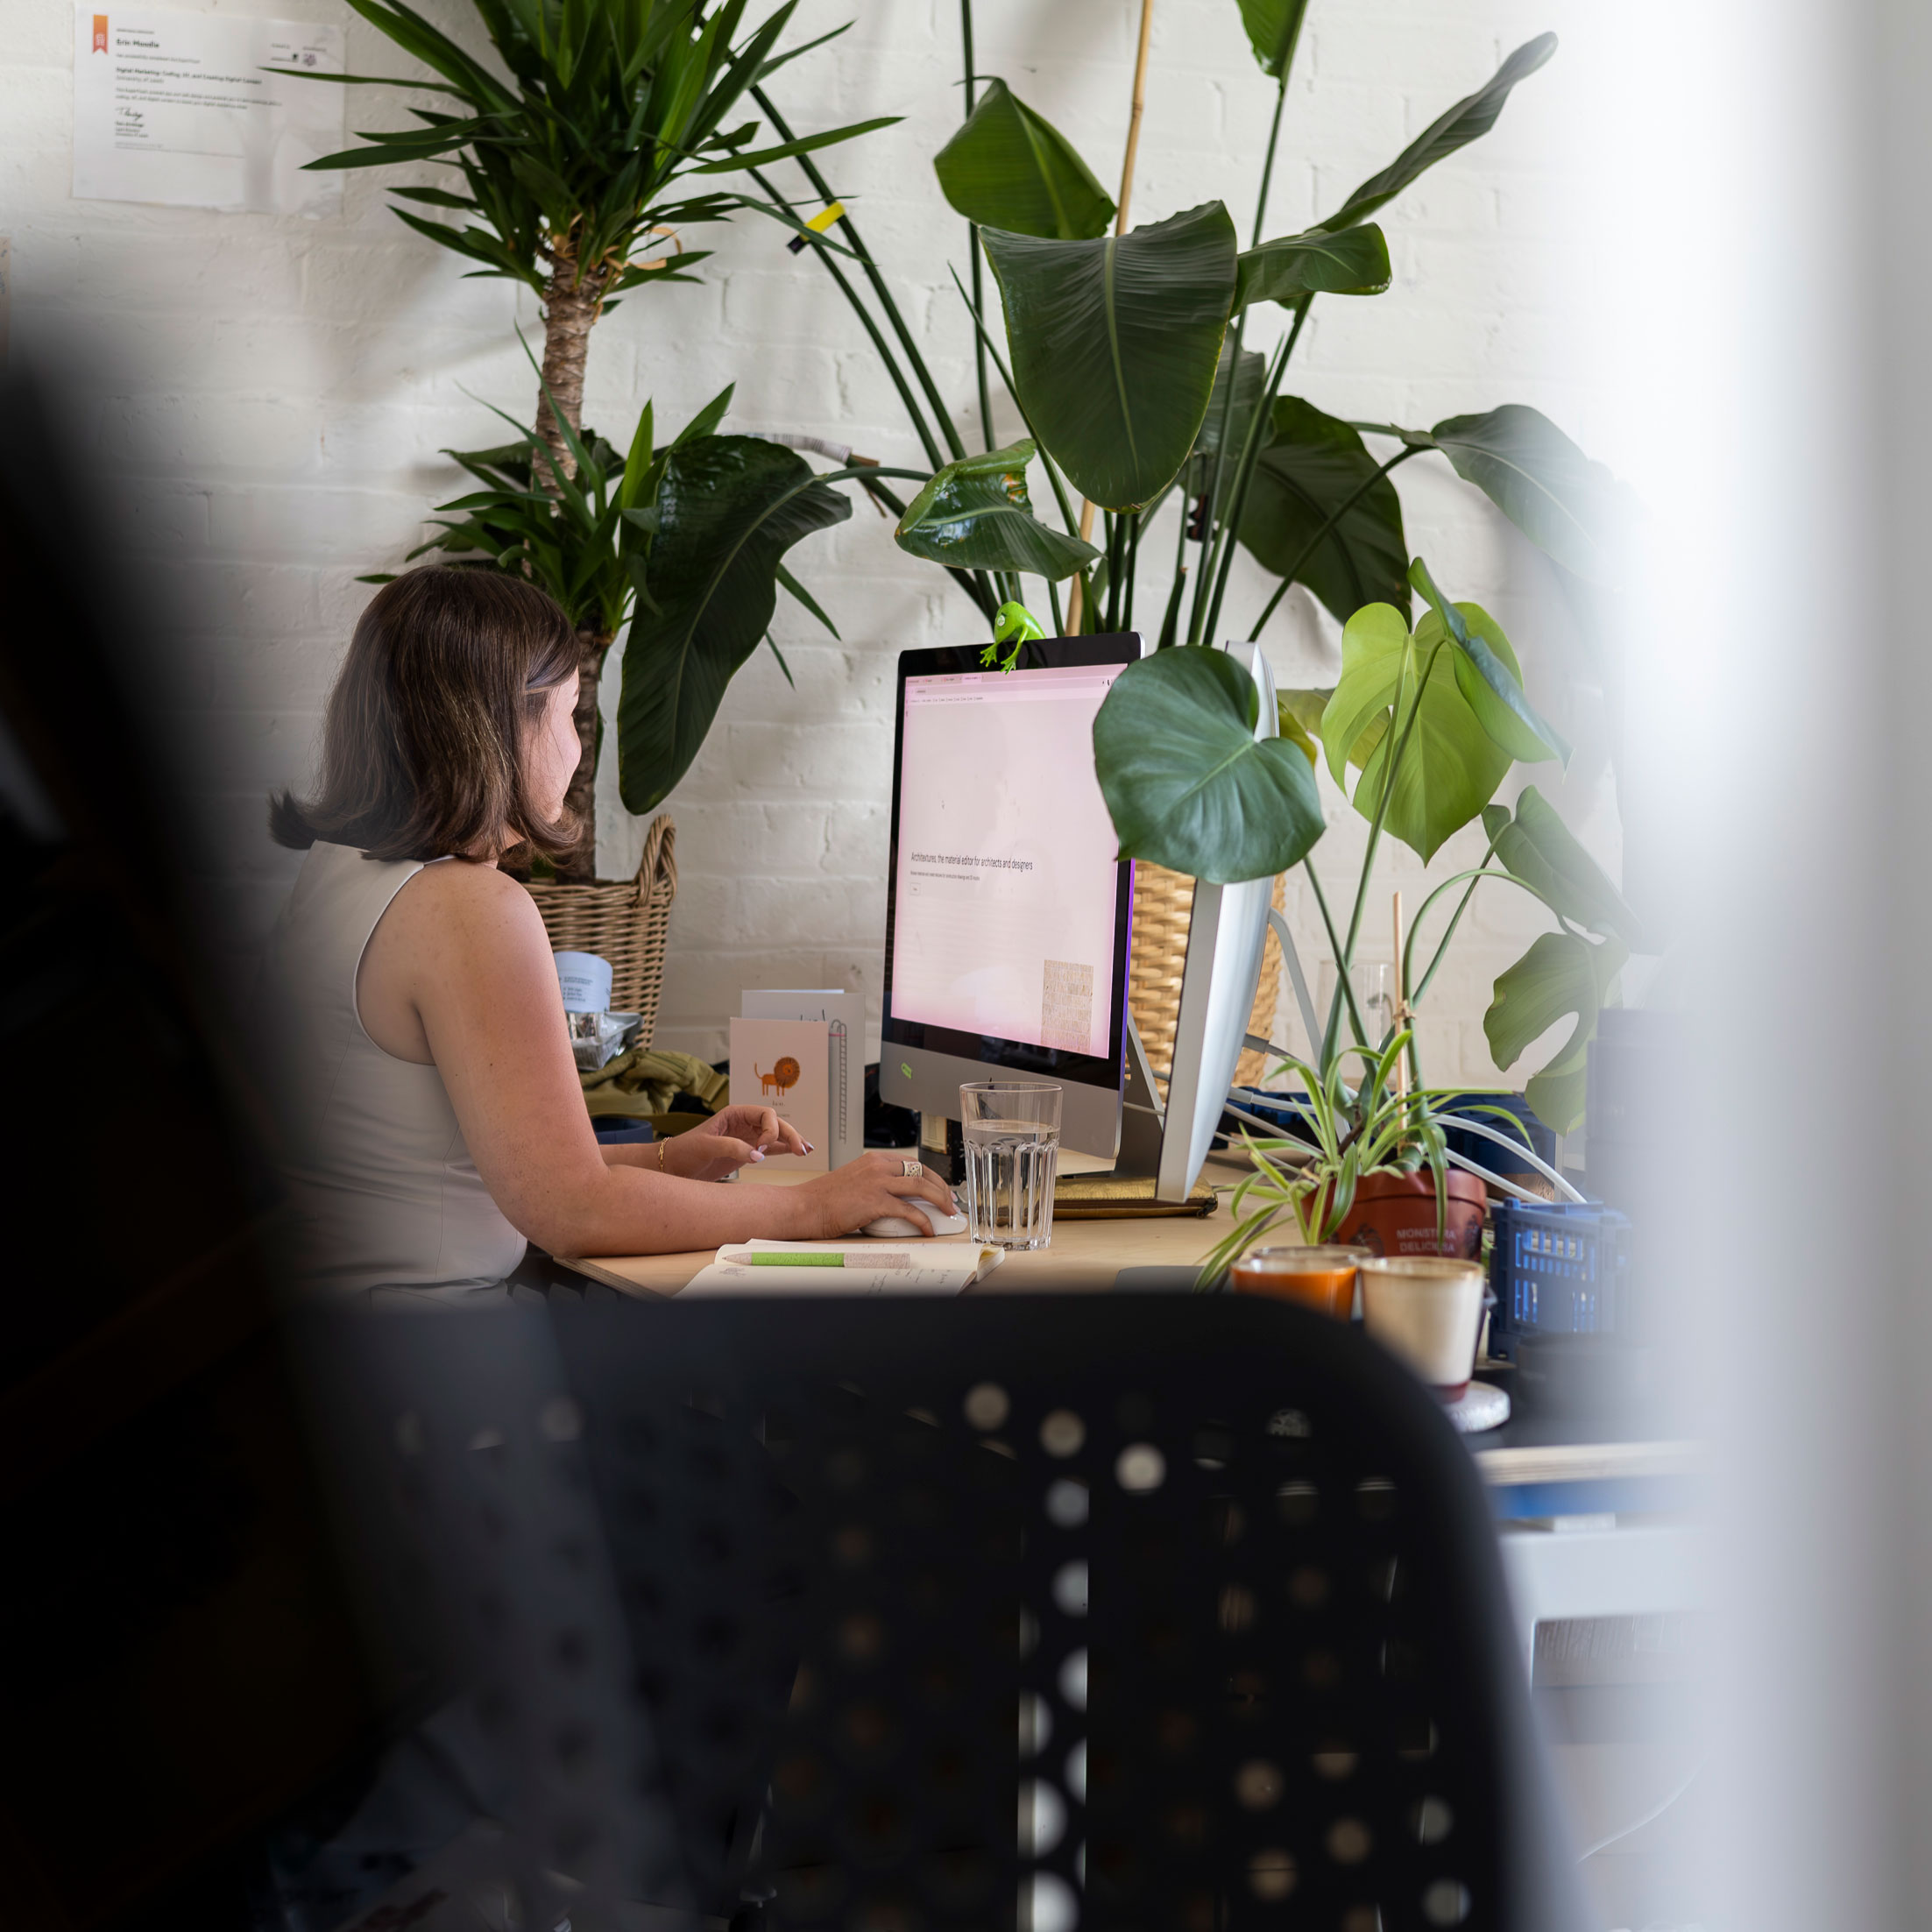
x=1077, y=1611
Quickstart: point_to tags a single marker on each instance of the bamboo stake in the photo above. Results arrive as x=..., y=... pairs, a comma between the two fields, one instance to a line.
x=1124, y=201
x=1401, y=1000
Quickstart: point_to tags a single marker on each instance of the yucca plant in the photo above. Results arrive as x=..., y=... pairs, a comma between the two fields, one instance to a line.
x=684, y=542
x=578, y=168
x=577, y=164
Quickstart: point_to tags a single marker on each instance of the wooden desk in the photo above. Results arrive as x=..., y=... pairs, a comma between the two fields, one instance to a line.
x=1085, y=1254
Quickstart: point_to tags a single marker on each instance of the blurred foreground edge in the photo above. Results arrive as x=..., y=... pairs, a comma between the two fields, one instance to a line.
x=177, y=1663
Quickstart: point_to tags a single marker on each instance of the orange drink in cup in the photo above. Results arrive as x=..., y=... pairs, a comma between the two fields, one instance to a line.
x=1321, y=1278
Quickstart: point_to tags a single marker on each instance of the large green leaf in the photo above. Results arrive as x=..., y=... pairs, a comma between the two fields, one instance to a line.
x=1573, y=507
x=1115, y=345
x=1313, y=464
x=1493, y=684
x=1008, y=169
x=1537, y=847
x=1273, y=27
x=1188, y=783
x=1559, y=975
x=1450, y=766
x=1353, y=261
x=729, y=508
x=1468, y=120
x=1250, y=381
x=976, y=515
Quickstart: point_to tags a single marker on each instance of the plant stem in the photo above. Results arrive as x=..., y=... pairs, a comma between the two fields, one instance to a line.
x=973, y=242
x=1400, y=736
x=1234, y=368
x=1053, y=604
x=926, y=438
x=1211, y=499
x=571, y=304
x=1250, y=455
x=1448, y=931
x=1474, y=878
x=943, y=415
x=1133, y=567
x=1344, y=988
x=1321, y=536
x=1268, y=166
x=1171, y=622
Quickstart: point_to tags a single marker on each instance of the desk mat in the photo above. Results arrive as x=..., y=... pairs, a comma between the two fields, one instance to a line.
x=1122, y=1197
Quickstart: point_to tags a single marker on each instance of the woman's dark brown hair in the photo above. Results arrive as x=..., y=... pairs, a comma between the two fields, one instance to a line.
x=423, y=746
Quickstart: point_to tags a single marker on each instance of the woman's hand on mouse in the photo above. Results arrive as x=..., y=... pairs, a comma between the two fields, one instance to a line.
x=863, y=1189
x=733, y=1138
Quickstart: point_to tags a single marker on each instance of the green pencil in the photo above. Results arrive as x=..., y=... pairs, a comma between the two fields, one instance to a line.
x=766, y=1258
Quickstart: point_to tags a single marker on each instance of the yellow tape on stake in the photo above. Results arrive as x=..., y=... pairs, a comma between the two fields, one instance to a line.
x=817, y=224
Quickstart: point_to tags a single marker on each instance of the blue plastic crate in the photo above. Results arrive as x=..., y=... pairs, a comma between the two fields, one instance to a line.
x=1558, y=1269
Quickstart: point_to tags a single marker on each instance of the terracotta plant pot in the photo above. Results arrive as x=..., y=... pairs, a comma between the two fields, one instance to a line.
x=1395, y=1215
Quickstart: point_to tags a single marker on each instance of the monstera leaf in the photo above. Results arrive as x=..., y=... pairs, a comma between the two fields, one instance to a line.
x=1116, y=344
x=728, y=509
x=1468, y=120
x=1273, y=27
x=1537, y=847
x=1008, y=169
x=1559, y=975
x=1186, y=781
x=1570, y=506
x=1493, y=688
x=976, y=515
x=1451, y=765
x=1312, y=467
x=1353, y=262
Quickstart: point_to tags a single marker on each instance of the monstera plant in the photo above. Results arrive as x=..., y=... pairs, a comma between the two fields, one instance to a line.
x=1126, y=357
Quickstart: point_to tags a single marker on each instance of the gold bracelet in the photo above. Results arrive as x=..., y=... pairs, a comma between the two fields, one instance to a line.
x=661, y=1157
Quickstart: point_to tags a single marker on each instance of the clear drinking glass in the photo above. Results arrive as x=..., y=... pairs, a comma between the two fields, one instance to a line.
x=1012, y=1133
x=1374, y=984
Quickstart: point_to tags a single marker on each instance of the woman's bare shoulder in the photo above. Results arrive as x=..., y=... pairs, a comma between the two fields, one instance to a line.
x=459, y=902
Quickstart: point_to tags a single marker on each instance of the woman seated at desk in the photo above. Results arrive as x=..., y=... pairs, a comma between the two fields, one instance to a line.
x=435, y=1120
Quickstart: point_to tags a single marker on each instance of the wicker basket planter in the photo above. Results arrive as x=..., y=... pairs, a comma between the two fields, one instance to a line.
x=1163, y=904
x=626, y=921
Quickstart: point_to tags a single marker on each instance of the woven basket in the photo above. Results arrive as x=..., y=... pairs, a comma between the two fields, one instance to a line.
x=1164, y=904
x=626, y=921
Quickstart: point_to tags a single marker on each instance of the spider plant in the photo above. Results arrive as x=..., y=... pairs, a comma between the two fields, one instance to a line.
x=1345, y=1134
x=1374, y=1128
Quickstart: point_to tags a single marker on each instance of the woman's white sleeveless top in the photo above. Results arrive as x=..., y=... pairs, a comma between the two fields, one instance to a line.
x=385, y=1192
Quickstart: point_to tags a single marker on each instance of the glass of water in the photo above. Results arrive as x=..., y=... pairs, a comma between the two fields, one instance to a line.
x=1012, y=1133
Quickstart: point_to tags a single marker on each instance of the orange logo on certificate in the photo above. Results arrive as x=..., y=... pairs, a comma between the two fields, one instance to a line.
x=100, y=34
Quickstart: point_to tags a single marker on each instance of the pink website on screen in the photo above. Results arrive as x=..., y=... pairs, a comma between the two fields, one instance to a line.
x=1005, y=891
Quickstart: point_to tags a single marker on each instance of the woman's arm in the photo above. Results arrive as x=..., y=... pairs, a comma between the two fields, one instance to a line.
x=466, y=949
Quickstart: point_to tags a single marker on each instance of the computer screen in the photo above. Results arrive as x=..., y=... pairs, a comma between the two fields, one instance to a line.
x=1007, y=903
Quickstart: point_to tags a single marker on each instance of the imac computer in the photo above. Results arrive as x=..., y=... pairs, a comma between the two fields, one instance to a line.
x=1009, y=913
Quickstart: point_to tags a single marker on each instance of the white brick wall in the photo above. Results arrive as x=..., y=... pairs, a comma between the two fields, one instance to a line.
x=279, y=389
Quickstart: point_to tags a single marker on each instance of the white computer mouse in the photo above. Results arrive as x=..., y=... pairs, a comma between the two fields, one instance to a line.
x=898, y=1227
